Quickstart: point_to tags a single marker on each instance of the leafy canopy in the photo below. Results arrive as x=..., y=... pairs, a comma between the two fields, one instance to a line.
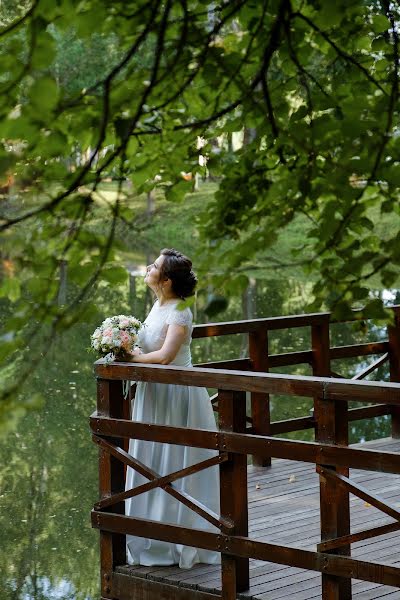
x=124, y=89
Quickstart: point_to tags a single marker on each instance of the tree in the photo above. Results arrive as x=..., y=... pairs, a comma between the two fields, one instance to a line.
x=317, y=82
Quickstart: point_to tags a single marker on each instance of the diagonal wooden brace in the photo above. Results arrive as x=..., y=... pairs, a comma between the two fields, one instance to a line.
x=359, y=491
x=357, y=537
x=164, y=482
x=371, y=367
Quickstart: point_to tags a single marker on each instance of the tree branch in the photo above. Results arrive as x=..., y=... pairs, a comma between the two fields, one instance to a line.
x=339, y=51
x=202, y=58
x=133, y=122
x=268, y=53
x=118, y=68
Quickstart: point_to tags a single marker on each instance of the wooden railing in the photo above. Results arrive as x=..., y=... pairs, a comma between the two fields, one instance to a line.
x=234, y=441
x=319, y=358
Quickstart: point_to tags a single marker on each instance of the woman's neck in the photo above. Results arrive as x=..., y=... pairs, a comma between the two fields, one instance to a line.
x=166, y=299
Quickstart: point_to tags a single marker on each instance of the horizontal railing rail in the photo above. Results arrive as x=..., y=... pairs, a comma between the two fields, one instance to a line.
x=271, y=323
x=329, y=388
x=245, y=443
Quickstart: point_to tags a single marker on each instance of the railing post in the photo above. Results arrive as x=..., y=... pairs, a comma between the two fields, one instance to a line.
x=233, y=492
x=260, y=411
x=110, y=403
x=394, y=366
x=332, y=428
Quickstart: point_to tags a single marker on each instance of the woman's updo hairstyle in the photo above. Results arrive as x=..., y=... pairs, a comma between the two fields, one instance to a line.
x=178, y=268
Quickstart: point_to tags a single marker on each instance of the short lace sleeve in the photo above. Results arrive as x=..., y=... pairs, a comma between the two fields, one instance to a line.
x=180, y=317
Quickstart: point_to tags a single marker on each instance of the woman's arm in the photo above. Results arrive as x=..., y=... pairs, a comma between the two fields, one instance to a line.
x=173, y=341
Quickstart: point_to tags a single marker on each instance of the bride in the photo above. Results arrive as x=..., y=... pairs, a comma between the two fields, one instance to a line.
x=165, y=339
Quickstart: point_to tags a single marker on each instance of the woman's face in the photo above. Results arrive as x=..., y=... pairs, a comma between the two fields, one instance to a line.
x=152, y=277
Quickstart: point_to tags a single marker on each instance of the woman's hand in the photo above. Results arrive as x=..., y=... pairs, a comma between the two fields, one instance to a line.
x=128, y=355
x=135, y=352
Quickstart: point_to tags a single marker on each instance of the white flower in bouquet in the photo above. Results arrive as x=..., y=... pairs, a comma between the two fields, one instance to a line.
x=116, y=335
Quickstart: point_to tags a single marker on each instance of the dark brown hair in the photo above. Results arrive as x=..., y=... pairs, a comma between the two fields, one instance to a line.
x=178, y=268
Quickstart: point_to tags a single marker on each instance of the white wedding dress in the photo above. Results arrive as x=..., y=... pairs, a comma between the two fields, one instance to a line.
x=181, y=406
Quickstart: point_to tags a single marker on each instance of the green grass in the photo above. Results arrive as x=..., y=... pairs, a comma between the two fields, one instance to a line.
x=174, y=225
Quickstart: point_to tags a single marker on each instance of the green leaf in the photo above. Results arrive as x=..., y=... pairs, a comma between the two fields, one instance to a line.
x=11, y=289
x=375, y=309
x=330, y=14
x=43, y=51
x=215, y=304
x=177, y=191
x=380, y=23
x=389, y=277
x=43, y=96
x=7, y=348
x=115, y=274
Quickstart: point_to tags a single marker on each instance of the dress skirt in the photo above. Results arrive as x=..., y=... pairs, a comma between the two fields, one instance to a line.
x=180, y=406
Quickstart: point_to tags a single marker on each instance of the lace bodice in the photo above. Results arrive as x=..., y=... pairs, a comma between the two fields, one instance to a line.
x=152, y=335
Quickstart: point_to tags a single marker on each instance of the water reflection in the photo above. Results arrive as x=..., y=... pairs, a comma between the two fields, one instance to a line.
x=49, y=464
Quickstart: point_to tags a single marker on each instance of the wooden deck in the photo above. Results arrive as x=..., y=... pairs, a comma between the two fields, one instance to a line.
x=284, y=508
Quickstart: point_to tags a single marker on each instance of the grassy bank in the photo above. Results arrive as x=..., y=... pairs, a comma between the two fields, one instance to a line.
x=175, y=225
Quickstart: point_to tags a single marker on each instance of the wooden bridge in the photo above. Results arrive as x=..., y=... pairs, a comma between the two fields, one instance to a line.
x=300, y=528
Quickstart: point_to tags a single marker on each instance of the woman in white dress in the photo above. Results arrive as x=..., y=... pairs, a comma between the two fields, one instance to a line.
x=165, y=339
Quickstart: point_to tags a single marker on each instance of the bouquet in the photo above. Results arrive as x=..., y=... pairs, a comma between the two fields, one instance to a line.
x=116, y=336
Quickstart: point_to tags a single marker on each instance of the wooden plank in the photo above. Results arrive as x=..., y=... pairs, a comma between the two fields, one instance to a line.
x=233, y=493
x=110, y=402
x=377, y=363
x=299, y=357
x=331, y=426
x=340, y=352
x=240, y=364
x=202, y=572
x=201, y=578
x=304, y=481
x=313, y=452
x=354, y=414
x=304, y=527
x=358, y=536
x=295, y=585
x=125, y=587
x=355, y=488
x=281, y=468
x=360, y=587
x=298, y=520
x=270, y=323
x=292, y=512
x=299, y=579
x=384, y=592
x=383, y=443
x=260, y=404
x=290, y=358
x=394, y=367
x=273, y=383
x=302, y=493
x=240, y=546
x=300, y=591
x=368, y=412
x=290, y=425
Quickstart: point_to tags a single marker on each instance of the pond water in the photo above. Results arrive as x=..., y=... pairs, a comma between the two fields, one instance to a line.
x=49, y=464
